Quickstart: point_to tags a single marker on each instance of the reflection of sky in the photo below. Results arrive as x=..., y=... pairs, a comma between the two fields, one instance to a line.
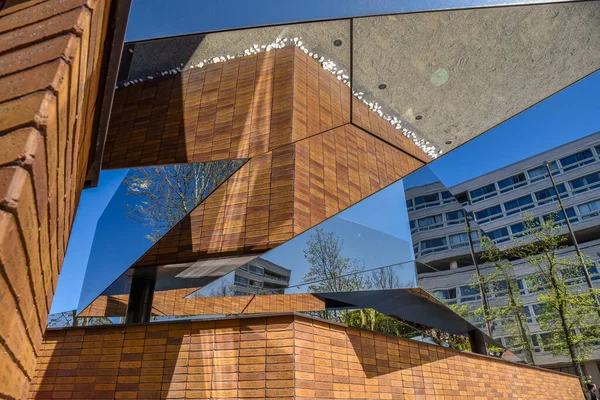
x=169, y=18
x=369, y=247
x=569, y=115
x=118, y=243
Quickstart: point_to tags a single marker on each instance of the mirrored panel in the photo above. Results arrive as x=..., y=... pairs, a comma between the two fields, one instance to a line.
x=445, y=77
x=148, y=203
x=492, y=241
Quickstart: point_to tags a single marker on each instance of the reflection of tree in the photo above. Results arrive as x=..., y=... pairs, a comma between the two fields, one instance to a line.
x=69, y=318
x=330, y=271
x=223, y=290
x=168, y=193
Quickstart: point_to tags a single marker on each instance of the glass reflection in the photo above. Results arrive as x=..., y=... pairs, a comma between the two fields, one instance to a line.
x=445, y=77
x=498, y=250
x=148, y=203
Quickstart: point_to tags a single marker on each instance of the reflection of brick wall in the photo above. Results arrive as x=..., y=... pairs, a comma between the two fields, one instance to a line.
x=280, y=194
x=49, y=72
x=174, y=303
x=281, y=357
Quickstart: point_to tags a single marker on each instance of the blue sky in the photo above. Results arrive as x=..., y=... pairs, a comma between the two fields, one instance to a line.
x=565, y=117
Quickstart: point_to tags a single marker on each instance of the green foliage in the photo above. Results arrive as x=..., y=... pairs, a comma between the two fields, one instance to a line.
x=330, y=271
x=512, y=314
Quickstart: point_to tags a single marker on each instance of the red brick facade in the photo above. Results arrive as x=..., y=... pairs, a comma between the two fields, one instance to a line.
x=49, y=72
x=278, y=357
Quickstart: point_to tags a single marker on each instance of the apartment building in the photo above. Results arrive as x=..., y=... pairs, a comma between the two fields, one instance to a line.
x=260, y=276
x=497, y=201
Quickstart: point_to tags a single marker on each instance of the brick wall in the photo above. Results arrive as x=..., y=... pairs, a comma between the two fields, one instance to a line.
x=283, y=357
x=49, y=72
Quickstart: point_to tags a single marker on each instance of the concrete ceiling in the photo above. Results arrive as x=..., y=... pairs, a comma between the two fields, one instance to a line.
x=462, y=71
x=465, y=71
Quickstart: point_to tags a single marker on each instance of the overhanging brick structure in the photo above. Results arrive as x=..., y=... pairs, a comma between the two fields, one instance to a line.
x=282, y=357
x=290, y=117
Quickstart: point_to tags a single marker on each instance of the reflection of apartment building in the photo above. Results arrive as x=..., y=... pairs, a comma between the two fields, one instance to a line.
x=261, y=276
x=497, y=201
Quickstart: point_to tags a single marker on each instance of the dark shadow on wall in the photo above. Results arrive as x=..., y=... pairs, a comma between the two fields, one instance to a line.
x=111, y=362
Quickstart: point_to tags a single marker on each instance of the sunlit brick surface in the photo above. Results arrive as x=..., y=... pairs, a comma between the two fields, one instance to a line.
x=50, y=58
x=283, y=357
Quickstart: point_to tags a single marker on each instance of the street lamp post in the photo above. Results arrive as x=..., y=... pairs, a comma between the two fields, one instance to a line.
x=588, y=278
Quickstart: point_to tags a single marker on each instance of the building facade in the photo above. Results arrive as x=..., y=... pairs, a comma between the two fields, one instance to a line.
x=497, y=202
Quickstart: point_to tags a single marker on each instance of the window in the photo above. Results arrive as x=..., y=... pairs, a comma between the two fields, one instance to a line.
x=413, y=224
x=432, y=245
x=528, y=316
x=512, y=182
x=539, y=173
x=431, y=222
x=589, y=210
x=469, y=293
x=257, y=270
x=483, y=192
x=459, y=240
x=409, y=203
x=447, y=197
x=548, y=195
x=488, y=214
x=559, y=217
x=241, y=280
x=577, y=159
x=585, y=183
x=256, y=283
x=518, y=229
x=446, y=294
x=518, y=205
x=455, y=217
x=522, y=287
x=427, y=200
x=499, y=235
x=500, y=288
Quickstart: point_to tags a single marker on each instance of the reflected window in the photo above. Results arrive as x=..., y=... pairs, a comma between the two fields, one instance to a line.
x=512, y=182
x=488, y=214
x=585, y=183
x=518, y=205
x=577, y=160
x=455, y=217
x=427, y=200
x=241, y=280
x=256, y=270
x=498, y=235
x=483, y=192
x=589, y=210
x=548, y=195
x=539, y=173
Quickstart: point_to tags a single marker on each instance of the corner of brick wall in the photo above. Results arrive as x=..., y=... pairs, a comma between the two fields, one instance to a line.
x=50, y=57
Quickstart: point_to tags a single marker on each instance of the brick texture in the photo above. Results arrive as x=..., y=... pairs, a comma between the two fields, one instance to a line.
x=283, y=357
x=49, y=71
x=278, y=195
x=174, y=303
